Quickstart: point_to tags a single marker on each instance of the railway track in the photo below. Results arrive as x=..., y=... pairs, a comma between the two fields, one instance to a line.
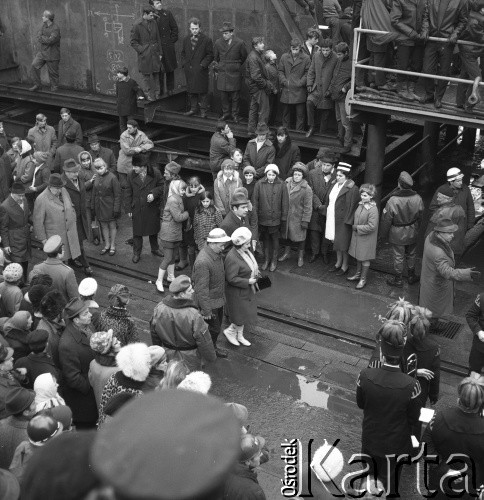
x=283, y=319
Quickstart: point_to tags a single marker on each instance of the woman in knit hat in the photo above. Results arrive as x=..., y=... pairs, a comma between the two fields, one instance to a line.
x=10, y=294
x=16, y=330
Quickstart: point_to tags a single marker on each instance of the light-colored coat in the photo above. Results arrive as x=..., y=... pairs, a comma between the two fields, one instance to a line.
x=52, y=216
x=173, y=216
x=300, y=210
x=363, y=240
x=438, y=276
x=128, y=143
x=63, y=277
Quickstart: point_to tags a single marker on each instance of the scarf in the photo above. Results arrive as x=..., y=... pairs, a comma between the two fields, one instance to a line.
x=249, y=259
x=46, y=395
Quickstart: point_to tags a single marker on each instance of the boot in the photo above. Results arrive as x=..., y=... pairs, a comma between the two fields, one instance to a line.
x=285, y=255
x=171, y=273
x=357, y=275
x=159, y=281
x=396, y=281
x=300, y=258
x=411, y=91
x=403, y=92
x=274, y=261
x=231, y=334
x=265, y=265
x=364, y=274
x=412, y=277
x=240, y=336
x=183, y=262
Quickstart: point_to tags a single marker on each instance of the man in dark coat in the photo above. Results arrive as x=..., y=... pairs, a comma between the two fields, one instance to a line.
x=15, y=227
x=69, y=151
x=237, y=217
x=145, y=187
x=168, y=30
x=145, y=39
x=75, y=356
x=67, y=123
x=475, y=320
x=259, y=151
x=48, y=39
x=230, y=54
x=97, y=151
x=400, y=222
x=197, y=54
x=127, y=94
x=321, y=179
x=77, y=192
x=222, y=146
x=260, y=86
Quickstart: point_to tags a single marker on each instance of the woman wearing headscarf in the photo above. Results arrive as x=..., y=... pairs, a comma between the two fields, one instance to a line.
x=16, y=331
x=241, y=273
x=339, y=206
x=46, y=394
x=117, y=317
x=171, y=230
x=24, y=171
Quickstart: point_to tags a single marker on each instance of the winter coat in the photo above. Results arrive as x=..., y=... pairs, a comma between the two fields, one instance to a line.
x=240, y=298
x=457, y=215
x=256, y=76
x=173, y=216
x=293, y=77
x=344, y=210
x=44, y=140
x=209, y=280
x=438, y=276
x=299, y=211
x=48, y=39
x=271, y=202
x=78, y=199
x=128, y=143
x=319, y=77
x=10, y=298
x=223, y=191
x=177, y=326
x=363, y=240
x=105, y=154
x=462, y=197
x=106, y=197
x=127, y=94
x=37, y=364
x=146, y=216
x=340, y=83
x=13, y=431
x=221, y=148
x=69, y=126
x=203, y=222
x=15, y=229
x=286, y=157
x=98, y=376
x=320, y=189
x=168, y=30
x=24, y=171
x=64, y=279
x=228, y=63
x=475, y=320
x=231, y=222
x=121, y=322
x=259, y=159
x=40, y=179
x=6, y=178
x=407, y=17
x=402, y=217
x=242, y=484
x=145, y=40
x=7, y=380
x=75, y=356
x=68, y=151
x=439, y=23
x=196, y=62
x=273, y=77
x=52, y=216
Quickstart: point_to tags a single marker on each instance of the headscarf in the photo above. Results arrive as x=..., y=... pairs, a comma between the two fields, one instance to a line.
x=175, y=187
x=119, y=295
x=46, y=395
x=17, y=322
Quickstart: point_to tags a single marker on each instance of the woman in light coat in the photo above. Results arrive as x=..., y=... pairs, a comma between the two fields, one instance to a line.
x=365, y=234
x=171, y=230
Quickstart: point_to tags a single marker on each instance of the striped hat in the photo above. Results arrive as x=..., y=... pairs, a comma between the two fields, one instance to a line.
x=345, y=167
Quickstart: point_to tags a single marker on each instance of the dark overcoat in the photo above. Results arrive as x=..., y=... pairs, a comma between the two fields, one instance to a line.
x=300, y=210
x=363, y=240
x=15, y=229
x=49, y=42
x=106, y=196
x=145, y=39
x=271, y=202
x=320, y=189
x=229, y=59
x=168, y=30
x=78, y=199
x=146, y=216
x=293, y=75
x=195, y=62
x=286, y=157
x=240, y=300
x=75, y=356
x=319, y=78
x=72, y=126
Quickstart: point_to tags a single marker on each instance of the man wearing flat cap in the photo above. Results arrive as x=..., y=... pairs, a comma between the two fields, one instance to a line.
x=229, y=54
x=98, y=151
x=238, y=215
x=400, y=223
x=178, y=327
x=68, y=151
x=75, y=356
x=15, y=222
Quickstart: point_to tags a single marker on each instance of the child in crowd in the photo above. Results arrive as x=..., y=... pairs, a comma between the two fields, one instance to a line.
x=88, y=175
x=224, y=186
x=206, y=218
x=127, y=94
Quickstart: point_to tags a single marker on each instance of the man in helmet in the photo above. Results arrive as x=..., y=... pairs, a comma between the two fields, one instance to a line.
x=462, y=195
x=458, y=429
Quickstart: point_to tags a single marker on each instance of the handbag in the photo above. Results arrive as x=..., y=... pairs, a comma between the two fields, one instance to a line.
x=263, y=282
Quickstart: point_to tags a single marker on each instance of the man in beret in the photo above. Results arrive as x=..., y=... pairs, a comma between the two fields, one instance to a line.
x=15, y=222
x=400, y=223
x=68, y=124
x=69, y=150
x=98, y=151
x=178, y=327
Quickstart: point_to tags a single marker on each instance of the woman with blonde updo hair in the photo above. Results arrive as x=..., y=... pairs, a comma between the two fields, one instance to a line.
x=176, y=372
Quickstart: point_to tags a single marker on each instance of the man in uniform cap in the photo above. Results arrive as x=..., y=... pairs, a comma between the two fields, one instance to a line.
x=63, y=277
x=400, y=223
x=462, y=195
x=98, y=151
x=69, y=150
x=178, y=326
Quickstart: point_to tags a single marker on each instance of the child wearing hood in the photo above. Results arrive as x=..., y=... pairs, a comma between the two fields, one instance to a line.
x=16, y=330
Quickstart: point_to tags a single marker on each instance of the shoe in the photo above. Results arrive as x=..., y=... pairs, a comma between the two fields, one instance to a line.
x=312, y=258
x=231, y=335
x=96, y=241
x=342, y=272
x=129, y=241
x=190, y=113
x=157, y=252
x=310, y=132
x=273, y=265
x=411, y=91
x=159, y=281
x=361, y=284
x=88, y=271
x=54, y=88
x=35, y=88
x=334, y=269
x=364, y=275
x=396, y=281
x=427, y=99
x=300, y=258
x=181, y=266
x=112, y=252
x=136, y=258
x=221, y=353
x=389, y=86
x=285, y=255
x=240, y=336
x=438, y=103
x=412, y=277
x=104, y=250
x=355, y=277
x=267, y=254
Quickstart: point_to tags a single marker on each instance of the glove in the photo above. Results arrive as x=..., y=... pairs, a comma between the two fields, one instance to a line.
x=117, y=215
x=453, y=38
x=304, y=225
x=475, y=275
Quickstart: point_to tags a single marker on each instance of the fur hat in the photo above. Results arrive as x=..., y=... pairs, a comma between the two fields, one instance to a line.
x=36, y=294
x=134, y=360
x=52, y=304
x=196, y=382
x=173, y=168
